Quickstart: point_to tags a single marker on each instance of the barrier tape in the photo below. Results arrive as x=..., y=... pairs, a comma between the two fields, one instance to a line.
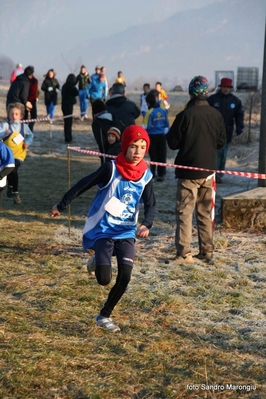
x=48, y=119
x=250, y=175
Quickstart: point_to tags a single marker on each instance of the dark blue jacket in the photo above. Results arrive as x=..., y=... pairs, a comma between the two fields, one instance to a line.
x=232, y=111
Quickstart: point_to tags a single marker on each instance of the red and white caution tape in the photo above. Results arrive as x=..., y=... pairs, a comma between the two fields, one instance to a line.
x=48, y=119
x=250, y=175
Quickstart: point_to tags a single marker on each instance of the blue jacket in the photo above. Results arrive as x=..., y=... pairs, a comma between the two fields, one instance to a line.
x=97, y=89
x=232, y=111
x=156, y=120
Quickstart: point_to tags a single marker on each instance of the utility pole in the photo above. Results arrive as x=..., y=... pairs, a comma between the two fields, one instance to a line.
x=262, y=148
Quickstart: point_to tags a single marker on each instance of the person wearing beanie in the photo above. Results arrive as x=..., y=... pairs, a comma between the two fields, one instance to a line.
x=232, y=111
x=111, y=227
x=102, y=121
x=17, y=71
x=197, y=132
x=114, y=141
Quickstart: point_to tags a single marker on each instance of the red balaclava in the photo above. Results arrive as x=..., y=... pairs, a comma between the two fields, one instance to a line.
x=126, y=169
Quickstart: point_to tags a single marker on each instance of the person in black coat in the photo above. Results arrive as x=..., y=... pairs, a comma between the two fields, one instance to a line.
x=50, y=86
x=19, y=89
x=103, y=120
x=69, y=94
x=232, y=111
x=120, y=106
x=197, y=132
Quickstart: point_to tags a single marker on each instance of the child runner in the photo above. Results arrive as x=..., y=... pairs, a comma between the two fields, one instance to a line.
x=111, y=226
x=18, y=137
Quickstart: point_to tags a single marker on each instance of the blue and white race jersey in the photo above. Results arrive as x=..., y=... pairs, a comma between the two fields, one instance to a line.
x=115, y=208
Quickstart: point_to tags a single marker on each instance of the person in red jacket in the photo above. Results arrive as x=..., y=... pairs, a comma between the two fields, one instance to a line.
x=33, y=97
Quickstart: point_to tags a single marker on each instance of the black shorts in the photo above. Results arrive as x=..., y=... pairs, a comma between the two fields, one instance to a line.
x=124, y=250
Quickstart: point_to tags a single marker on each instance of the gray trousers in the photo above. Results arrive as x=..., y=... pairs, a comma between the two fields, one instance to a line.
x=194, y=194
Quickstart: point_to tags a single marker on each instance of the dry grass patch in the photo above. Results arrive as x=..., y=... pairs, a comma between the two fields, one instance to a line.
x=197, y=324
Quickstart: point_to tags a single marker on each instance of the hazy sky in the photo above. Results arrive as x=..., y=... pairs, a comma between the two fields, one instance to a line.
x=116, y=15
x=63, y=33
x=25, y=24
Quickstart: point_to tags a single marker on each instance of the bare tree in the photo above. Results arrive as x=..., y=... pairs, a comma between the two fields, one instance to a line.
x=73, y=67
x=252, y=106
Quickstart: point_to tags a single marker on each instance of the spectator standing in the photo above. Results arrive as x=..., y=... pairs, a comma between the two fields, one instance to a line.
x=97, y=73
x=33, y=97
x=111, y=226
x=232, y=111
x=17, y=71
x=50, y=85
x=119, y=105
x=19, y=89
x=197, y=132
x=103, y=71
x=102, y=121
x=69, y=94
x=162, y=95
x=120, y=78
x=18, y=137
x=83, y=80
x=97, y=89
x=157, y=125
x=143, y=103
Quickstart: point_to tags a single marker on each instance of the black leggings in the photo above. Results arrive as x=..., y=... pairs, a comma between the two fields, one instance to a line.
x=124, y=251
x=12, y=178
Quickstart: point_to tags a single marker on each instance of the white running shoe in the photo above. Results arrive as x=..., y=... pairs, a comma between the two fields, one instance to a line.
x=106, y=322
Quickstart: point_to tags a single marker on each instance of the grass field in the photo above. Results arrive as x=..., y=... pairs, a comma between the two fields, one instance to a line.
x=184, y=329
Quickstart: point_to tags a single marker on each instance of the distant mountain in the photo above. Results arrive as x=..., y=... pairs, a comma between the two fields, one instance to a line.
x=221, y=36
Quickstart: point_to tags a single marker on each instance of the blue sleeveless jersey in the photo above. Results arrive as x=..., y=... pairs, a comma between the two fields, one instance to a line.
x=115, y=208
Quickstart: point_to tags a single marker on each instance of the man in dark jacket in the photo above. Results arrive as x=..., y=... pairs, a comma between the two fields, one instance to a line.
x=103, y=121
x=120, y=106
x=232, y=111
x=19, y=89
x=197, y=132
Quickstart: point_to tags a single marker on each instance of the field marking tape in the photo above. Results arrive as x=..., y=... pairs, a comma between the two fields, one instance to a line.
x=48, y=119
x=250, y=175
